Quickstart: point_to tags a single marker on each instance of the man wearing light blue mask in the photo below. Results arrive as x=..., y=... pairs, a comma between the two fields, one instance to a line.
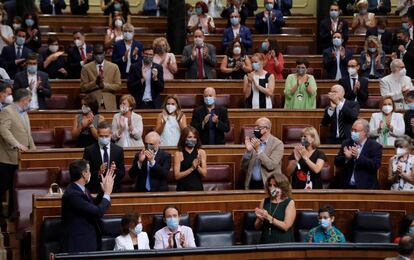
x=210, y=120
x=104, y=156
x=330, y=25
x=236, y=6
x=34, y=80
x=335, y=59
x=325, y=232
x=270, y=20
x=360, y=159
x=127, y=51
x=237, y=32
x=173, y=235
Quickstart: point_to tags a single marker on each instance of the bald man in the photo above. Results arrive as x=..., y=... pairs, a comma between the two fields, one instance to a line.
x=339, y=115
x=263, y=155
x=210, y=120
x=151, y=166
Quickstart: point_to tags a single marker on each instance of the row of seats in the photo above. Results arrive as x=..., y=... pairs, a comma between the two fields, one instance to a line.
x=217, y=229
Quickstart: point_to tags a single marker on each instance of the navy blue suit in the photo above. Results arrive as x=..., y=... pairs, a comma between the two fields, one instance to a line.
x=150, y=8
x=47, y=7
x=270, y=26
x=365, y=167
x=73, y=61
x=21, y=81
x=244, y=13
x=80, y=220
x=8, y=57
x=386, y=39
x=245, y=37
x=362, y=93
x=54, y=66
x=118, y=51
x=325, y=32
x=284, y=6
x=373, y=7
x=329, y=62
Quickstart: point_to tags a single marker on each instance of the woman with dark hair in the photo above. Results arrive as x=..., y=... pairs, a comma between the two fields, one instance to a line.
x=273, y=61
x=201, y=19
x=406, y=226
x=34, y=36
x=53, y=60
x=235, y=63
x=86, y=122
x=190, y=162
x=276, y=214
x=132, y=237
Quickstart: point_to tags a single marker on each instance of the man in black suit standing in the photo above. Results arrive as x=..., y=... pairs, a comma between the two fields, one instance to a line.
x=384, y=35
x=360, y=158
x=80, y=213
x=146, y=81
x=356, y=87
x=104, y=156
x=339, y=115
x=151, y=166
x=331, y=25
x=78, y=55
x=13, y=56
x=405, y=51
x=210, y=120
x=79, y=7
x=379, y=8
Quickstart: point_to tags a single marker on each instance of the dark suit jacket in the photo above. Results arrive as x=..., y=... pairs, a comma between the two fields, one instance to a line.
x=8, y=57
x=136, y=87
x=262, y=27
x=362, y=93
x=251, y=6
x=244, y=13
x=284, y=6
x=245, y=37
x=325, y=35
x=118, y=51
x=350, y=111
x=77, y=9
x=386, y=39
x=81, y=217
x=365, y=167
x=92, y=153
x=408, y=60
x=54, y=66
x=158, y=173
x=47, y=7
x=73, y=61
x=373, y=7
x=408, y=115
x=329, y=62
x=150, y=7
x=209, y=62
x=222, y=126
x=21, y=81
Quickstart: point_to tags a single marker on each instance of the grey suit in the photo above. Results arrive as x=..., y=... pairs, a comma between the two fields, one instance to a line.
x=209, y=62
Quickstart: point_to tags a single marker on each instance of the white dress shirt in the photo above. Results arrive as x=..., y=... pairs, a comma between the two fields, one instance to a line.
x=338, y=110
x=34, y=104
x=147, y=92
x=125, y=242
x=338, y=64
x=162, y=236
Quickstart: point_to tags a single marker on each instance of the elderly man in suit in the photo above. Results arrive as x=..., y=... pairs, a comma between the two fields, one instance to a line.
x=151, y=166
x=360, y=159
x=102, y=79
x=15, y=136
x=80, y=212
x=34, y=80
x=263, y=156
x=78, y=55
x=199, y=58
x=104, y=156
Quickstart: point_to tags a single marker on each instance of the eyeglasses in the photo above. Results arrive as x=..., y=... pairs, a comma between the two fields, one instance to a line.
x=234, y=17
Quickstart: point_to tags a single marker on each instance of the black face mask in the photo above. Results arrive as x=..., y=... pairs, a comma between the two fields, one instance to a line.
x=305, y=142
x=149, y=147
x=258, y=133
x=99, y=58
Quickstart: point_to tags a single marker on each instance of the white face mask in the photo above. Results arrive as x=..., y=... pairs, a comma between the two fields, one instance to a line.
x=118, y=23
x=198, y=41
x=87, y=180
x=53, y=48
x=171, y=108
x=400, y=152
x=403, y=72
x=9, y=99
x=124, y=109
x=236, y=50
x=387, y=109
x=78, y=43
x=352, y=71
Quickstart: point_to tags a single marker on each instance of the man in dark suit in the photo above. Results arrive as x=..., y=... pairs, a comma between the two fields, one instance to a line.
x=329, y=26
x=240, y=7
x=406, y=51
x=151, y=166
x=382, y=7
x=52, y=7
x=356, y=87
x=335, y=59
x=146, y=81
x=78, y=55
x=79, y=7
x=284, y=6
x=127, y=51
x=155, y=8
x=339, y=115
x=405, y=248
x=104, y=156
x=360, y=158
x=36, y=81
x=244, y=36
x=80, y=213
x=384, y=35
x=210, y=120
x=270, y=20
x=13, y=56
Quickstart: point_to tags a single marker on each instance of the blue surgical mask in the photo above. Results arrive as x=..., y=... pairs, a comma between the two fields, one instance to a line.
x=172, y=223
x=355, y=136
x=20, y=41
x=138, y=228
x=411, y=230
x=333, y=14
x=405, y=26
x=32, y=69
x=29, y=22
x=255, y=66
x=410, y=106
x=325, y=223
x=381, y=31
x=117, y=6
x=199, y=10
x=336, y=42
x=234, y=20
x=372, y=50
x=104, y=141
x=269, y=7
x=265, y=45
x=209, y=101
x=128, y=36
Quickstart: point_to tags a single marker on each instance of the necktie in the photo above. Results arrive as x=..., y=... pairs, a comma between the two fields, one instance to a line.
x=353, y=83
x=83, y=56
x=105, y=156
x=174, y=241
x=340, y=125
x=147, y=182
x=200, y=64
x=19, y=52
x=100, y=71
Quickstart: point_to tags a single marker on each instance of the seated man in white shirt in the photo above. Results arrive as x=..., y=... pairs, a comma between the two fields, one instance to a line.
x=173, y=235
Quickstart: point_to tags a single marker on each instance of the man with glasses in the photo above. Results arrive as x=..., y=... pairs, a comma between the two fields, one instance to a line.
x=355, y=86
x=263, y=155
x=360, y=159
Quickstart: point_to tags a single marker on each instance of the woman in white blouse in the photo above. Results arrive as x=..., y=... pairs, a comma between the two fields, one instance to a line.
x=387, y=125
x=5, y=30
x=127, y=126
x=132, y=237
x=164, y=57
x=400, y=169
